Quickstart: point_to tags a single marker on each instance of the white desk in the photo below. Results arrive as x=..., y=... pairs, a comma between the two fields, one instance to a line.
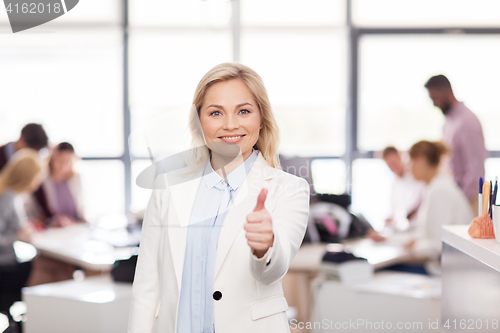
x=82, y=246
x=305, y=266
x=380, y=304
x=96, y=305
x=471, y=281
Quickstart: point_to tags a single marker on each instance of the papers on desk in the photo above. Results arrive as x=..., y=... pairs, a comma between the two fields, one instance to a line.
x=403, y=284
x=345, y=267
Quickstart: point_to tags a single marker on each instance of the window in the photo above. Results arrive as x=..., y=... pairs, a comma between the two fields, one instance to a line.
x=426, y=13
x=394, y=106
x=102, y=183
x=371, y=189
x=300, y=50
x=329, y=176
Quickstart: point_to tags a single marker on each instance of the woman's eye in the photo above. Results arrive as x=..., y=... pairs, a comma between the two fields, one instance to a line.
x=245, y=111
x=212, y=114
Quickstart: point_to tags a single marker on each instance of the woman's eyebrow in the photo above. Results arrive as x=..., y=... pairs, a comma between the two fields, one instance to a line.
x=215, y=106
x=242, y=104
x=221, y=107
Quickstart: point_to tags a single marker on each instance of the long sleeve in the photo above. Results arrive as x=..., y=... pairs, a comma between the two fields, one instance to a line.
x=289, y=220
x=146, y=281
x=9, y=225
x=471, y=154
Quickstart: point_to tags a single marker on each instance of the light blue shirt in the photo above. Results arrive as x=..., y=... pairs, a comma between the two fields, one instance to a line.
x=215, y=194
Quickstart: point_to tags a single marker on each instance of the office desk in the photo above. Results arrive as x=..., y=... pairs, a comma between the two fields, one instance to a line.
x=80, y=245
x=305, y=266
x=471, y=281
x=96, y=304
x=390, y=301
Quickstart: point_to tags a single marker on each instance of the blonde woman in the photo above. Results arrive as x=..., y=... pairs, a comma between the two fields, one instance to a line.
x=216, y=245
x=22, y=174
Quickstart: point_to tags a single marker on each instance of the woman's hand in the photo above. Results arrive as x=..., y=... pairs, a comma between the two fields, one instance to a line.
x=409, y=246
x=61, y=221
x=259, y=227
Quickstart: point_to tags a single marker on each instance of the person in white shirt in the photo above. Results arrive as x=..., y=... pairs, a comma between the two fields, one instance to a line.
x=406, y=192
x=443, y=203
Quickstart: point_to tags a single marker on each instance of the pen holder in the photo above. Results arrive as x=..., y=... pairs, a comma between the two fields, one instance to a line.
x=481, y=227
x=496, y=222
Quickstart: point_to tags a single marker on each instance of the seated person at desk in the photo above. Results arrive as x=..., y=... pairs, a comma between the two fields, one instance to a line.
x=60, y=196
x=443, y=204
x=21, y=174
x=406, y=192
x=60, y=201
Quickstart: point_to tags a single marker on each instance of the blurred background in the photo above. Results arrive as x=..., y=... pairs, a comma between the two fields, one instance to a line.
x=345, y=79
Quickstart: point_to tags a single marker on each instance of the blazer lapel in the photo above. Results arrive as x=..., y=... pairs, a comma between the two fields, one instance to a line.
x=243, y=203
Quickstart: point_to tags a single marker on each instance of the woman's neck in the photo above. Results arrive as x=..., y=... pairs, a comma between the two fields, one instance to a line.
x=224, y=165
x=430, y=175
x=58, y=178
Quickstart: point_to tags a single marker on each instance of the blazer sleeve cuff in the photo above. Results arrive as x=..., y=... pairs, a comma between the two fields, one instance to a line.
x=265, y=257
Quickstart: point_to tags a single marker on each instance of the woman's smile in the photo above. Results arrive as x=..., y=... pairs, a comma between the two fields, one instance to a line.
x=232, y=138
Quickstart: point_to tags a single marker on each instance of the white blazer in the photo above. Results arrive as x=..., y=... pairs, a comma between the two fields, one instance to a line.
x=252, y=295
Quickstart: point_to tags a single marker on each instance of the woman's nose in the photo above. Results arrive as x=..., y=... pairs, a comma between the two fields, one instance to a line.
x=230, y=122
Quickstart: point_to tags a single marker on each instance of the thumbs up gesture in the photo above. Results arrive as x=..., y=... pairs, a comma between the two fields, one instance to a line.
x=259, y=227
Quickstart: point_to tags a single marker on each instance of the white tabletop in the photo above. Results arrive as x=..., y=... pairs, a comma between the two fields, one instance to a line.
x=95, y=289
x=484, y=250
x=80, y=245
x=379, y=254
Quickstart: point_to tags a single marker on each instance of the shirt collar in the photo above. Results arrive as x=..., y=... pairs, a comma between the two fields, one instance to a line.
x=235, y=178
x=455, y=109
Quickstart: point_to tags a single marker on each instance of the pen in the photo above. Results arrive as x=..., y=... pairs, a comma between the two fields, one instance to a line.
x=486, y=193
x=480, y=198
x=490, y=199
x=495, y=191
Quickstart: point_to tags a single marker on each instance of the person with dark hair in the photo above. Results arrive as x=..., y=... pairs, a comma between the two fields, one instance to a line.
x=32, y=136
x=59, y=196
x=59, y=203
x=463, y=133
x=443, y=203
x=406, y=191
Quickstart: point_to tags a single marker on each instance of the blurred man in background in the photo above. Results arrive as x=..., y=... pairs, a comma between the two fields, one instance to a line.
x=406, y=192
x=463, y=134
x=32, y=136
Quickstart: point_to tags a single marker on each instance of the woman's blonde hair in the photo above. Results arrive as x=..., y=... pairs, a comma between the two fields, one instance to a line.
x=432, y=151
x=268, y=142
x=21, y=170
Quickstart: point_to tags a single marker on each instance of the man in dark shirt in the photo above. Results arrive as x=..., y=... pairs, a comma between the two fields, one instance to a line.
x=32, y=136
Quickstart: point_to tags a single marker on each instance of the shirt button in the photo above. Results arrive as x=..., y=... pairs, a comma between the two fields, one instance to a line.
x=217, y=295
x=268, y=262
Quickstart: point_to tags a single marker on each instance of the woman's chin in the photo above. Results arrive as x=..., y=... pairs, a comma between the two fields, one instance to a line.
x=225, y=148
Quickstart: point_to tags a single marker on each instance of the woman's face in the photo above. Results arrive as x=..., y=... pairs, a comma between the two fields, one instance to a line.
x=62, y=163
x=230, y=114
x=419, y=167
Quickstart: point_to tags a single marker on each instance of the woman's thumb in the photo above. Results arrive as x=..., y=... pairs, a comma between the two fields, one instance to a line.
x=260, y=200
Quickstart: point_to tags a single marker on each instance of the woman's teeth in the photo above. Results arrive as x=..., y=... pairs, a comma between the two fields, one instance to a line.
x=231, y=137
